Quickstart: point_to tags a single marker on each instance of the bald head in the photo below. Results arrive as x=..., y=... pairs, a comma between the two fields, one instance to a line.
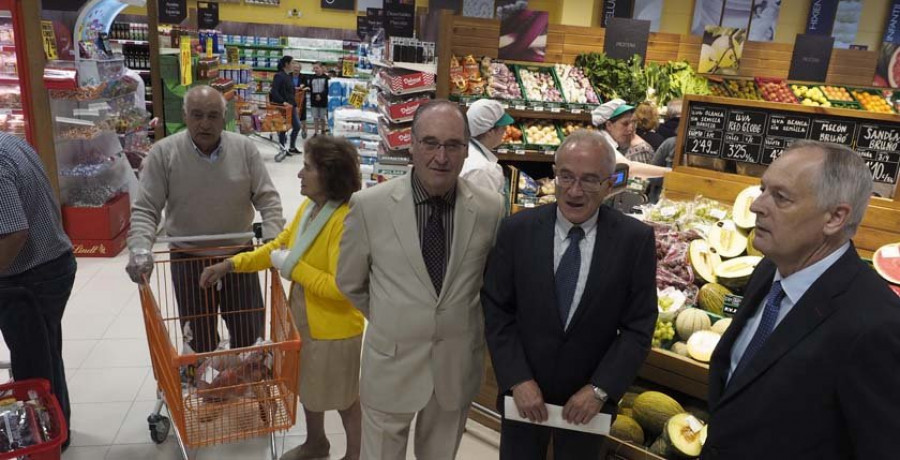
x=593, y=141
x=204, y=115
x=446, y=109
x=202, y=94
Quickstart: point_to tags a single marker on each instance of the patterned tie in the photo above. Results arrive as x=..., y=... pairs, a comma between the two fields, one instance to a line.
x=567, y=273
x=766, y=325
x=433, y=250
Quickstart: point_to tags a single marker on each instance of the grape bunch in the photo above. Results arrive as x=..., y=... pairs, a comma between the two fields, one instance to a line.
x=663, y=332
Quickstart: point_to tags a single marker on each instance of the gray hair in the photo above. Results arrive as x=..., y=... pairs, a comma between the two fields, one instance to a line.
x=436, y=103
x=844, y=178
x=203, y=91
x=591, y=138
x=673, y=108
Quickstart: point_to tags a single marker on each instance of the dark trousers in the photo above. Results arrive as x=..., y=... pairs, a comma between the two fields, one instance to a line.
x=237, y=297
x=295, y=131
x=31, y=310
x=524, y=441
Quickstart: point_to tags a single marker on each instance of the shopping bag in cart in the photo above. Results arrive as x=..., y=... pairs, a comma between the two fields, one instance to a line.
x=31, y=421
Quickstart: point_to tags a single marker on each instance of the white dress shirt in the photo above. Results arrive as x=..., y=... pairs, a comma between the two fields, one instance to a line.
x=794, y=286
x=586, y=245
x=481, y=168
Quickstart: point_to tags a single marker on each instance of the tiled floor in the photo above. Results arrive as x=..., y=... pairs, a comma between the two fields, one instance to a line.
x=109, y=372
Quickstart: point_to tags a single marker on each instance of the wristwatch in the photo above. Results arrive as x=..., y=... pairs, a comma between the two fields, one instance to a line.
x=600, y=395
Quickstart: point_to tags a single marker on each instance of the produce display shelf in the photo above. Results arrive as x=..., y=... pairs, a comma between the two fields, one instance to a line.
x=676, y=372
x=122, y=41
x=538, y=156
x=426, y=68
x=583, y=116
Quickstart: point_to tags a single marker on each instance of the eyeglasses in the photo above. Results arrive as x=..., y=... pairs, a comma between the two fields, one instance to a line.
x=449, y=147
x=588, y=184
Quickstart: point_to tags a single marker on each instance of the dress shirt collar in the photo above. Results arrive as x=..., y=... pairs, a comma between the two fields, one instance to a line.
x=563, y=225
x=798, y=283
x=420, y=195
x=213, y=156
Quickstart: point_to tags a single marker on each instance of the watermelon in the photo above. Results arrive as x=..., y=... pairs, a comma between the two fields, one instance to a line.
x=887, y=262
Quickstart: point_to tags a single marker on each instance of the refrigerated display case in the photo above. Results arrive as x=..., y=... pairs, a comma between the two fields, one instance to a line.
x=14, y=91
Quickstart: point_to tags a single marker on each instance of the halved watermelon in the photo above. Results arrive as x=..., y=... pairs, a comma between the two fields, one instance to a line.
x=887, y=262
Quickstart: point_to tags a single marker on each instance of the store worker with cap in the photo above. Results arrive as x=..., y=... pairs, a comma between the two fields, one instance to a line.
x=487, y=124
x=616, y=122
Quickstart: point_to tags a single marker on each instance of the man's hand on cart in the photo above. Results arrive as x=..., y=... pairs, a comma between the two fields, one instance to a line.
x=212, y=274
x=140, y=262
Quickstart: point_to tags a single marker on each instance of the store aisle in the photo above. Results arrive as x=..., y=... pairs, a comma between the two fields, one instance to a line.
x=110, y=377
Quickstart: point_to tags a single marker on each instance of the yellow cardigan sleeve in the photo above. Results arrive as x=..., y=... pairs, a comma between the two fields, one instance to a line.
x=318, y=282
x=258, y=259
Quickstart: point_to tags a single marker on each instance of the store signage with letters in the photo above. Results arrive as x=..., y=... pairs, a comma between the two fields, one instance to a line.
x=812, y=53
x=207, y=15
x=172, y=11
x=626, y=37
x=347, y=5
x=821, y=17
x=615, y=9
x=399, y=20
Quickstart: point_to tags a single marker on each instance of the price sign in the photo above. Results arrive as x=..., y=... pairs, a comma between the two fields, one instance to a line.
x=187, y=76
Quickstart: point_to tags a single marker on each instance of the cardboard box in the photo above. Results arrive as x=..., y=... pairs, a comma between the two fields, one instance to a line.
x=100, y=248
x=103, y=223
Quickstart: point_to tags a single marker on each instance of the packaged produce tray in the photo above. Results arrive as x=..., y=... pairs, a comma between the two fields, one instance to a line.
x=717, y=86
x=395, y=137
x=840, y=96
x=514, y=138
x=776, y=90
x=575, y=87
x=538, y=83
x=872, y=100
x=402, y=110
x=504, y=84
x=743, y=89
x=543, y=134
x=399, y=82
x=568, y=127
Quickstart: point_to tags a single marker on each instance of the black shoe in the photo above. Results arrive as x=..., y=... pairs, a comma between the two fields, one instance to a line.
x=293, y=151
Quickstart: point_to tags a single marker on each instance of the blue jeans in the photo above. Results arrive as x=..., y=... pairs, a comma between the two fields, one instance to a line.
x=295, y=125
x=31, y=310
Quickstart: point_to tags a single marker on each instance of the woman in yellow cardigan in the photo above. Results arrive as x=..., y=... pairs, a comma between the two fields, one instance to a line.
x=331, y=328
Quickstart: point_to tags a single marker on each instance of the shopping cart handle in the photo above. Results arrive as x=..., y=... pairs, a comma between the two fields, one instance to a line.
x=201, y=238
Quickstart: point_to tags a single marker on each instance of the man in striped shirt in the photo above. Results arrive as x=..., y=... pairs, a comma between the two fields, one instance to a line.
x=37, y=268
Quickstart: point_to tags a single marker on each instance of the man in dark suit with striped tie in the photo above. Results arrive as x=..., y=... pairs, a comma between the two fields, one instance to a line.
x=569, y=301
x=808, y=369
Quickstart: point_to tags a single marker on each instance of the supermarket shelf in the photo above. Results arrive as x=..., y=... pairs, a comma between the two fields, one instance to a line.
x=265, y=69
x=426, y=89
x=249, y=45
x=325, y=50
x=316, y=60
x=123, y=41
x=546, y=114
x=676, y=372
x=527, y=155
x=426, y=68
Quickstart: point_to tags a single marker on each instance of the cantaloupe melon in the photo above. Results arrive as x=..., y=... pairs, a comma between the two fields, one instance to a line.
x=702, y=344
x=712, y=298
x=735, y=273
x=720, y=326
x=653, y=409
x=680, y=438
x=726, y=239
x=628, y=430
x=690, y=321
x=704, y=260
x=741, y=213
x=680, y=348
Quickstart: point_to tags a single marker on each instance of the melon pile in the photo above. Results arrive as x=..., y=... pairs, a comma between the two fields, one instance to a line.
x=656, y=421
x=704, y=254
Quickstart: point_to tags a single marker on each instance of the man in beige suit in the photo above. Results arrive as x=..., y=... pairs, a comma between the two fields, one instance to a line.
x=412, y=258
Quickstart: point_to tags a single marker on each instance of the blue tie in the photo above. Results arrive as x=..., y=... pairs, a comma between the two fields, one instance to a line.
x=766, y=325
x=567, y=273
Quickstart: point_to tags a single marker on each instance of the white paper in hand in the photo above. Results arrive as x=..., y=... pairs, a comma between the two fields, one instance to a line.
x=278, y=257
x=598, y=425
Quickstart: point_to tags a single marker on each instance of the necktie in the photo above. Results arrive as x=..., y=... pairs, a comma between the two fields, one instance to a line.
x=766, y=325
x=433, y=241
x=567, y=273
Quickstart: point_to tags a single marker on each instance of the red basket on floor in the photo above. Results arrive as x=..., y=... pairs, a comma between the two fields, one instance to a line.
x=50, y=450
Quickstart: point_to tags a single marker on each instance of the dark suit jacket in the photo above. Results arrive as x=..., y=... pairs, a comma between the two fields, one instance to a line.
x=282, y=89
x=826, y=384
x=609, y=335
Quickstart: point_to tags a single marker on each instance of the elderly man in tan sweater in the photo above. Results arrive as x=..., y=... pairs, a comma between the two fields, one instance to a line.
x=209, y=182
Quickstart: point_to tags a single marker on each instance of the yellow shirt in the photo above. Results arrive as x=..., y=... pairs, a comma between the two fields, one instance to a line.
x=331, y=316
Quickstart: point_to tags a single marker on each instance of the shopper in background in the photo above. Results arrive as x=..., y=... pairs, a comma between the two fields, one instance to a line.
x=615, y=119
x=412, y=259
x=646, y=119
x=331, y=328
x=569, y=305
x=487, y=125
x=282, y=92
x=808, y=367
x=37, y=269
x=669, y=128
x=300, y=88
x=208, y=182
x=318, y=85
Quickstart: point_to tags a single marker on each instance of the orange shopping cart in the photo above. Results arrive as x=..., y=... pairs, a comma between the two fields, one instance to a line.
x=254, y=119
x=226, y=359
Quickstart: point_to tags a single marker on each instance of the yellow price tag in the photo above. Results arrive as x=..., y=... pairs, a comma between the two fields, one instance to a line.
x=49, y=39
x=209, y=47
x=187, y=76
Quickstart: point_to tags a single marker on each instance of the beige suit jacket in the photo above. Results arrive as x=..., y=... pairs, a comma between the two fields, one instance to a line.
x=418, y=342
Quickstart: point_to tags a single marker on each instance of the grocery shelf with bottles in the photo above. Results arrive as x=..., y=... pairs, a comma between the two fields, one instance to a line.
x=14, y=110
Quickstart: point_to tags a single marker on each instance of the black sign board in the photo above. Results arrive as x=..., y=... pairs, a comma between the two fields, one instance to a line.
x=760, y=135
x=362, y=27
x=172, y=11
x=812, y=53
x=348, y=5
x=207, y=15
x=615, y=9
x=399, y=20
x=626, y=37
x=376, y=18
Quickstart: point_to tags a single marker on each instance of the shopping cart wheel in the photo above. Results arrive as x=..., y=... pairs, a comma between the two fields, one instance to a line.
x=159, y=427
